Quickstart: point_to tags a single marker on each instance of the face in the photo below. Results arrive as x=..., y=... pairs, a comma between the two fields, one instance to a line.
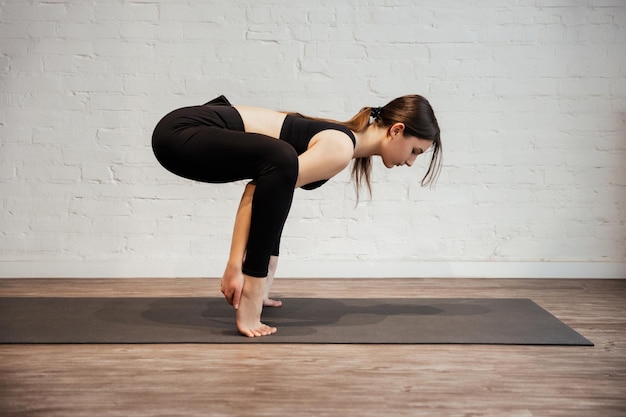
x=402, y=150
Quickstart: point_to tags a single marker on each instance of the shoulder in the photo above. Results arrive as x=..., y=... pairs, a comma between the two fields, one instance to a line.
x=332, y=134
x=336, y=144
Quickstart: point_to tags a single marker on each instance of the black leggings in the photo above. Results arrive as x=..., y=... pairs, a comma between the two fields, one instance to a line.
x=208, y=143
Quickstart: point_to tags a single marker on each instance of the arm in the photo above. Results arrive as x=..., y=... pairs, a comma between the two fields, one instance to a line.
x=329, y=154
x=232, y=281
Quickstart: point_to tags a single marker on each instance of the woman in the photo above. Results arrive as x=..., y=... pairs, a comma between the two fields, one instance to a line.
x=281, y=151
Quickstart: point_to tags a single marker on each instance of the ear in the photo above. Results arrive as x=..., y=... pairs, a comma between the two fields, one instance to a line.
x=395, y=129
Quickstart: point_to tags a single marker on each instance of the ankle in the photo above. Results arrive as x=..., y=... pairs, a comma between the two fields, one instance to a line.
x=253, y=286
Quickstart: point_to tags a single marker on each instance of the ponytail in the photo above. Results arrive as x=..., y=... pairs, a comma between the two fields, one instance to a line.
x=361, y=167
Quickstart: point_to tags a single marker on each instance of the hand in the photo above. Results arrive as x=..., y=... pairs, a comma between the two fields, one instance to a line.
x=232, y=285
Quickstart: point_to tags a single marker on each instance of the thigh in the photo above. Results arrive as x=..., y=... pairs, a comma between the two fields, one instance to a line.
x=212, y=154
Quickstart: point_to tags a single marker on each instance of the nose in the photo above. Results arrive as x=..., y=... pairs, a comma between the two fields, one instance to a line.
x=409, y=162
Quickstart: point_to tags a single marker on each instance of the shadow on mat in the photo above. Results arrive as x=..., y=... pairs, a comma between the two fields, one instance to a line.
x=299, y=315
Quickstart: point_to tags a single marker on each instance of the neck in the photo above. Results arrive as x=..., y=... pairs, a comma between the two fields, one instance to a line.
x=369, y=141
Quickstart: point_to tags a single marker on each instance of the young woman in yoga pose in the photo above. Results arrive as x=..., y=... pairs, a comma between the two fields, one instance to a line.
x=279, y=151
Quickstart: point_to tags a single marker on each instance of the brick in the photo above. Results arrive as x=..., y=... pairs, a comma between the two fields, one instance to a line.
x=123, y=49
x=13, y=30
x=199, y=12
x=7, y=172
x=31, y=154
x=13, y=226
x=36, y=12
x=127, y=11
x=61, y=174
x=94, y=84
x=78, y=12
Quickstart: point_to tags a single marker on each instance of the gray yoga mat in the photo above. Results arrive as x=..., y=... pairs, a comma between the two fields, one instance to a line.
x=300, y=320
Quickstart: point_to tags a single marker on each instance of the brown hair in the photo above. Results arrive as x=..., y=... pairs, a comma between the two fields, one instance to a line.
x=419, y=120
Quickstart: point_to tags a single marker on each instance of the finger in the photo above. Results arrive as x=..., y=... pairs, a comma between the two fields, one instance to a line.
x=236, y=298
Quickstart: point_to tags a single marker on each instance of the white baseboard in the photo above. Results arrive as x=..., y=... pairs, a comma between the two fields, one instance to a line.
x=310, y=269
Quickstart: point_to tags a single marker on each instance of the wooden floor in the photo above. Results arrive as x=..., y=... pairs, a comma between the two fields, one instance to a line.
x=329, y=380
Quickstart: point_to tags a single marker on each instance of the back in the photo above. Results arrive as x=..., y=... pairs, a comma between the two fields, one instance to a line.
x=263, y=121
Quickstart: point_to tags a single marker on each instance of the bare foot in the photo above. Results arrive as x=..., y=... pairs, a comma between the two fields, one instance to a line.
x=248, y=315
x=268, y=302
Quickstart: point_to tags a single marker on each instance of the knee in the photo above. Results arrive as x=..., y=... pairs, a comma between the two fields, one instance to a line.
x=285, y=162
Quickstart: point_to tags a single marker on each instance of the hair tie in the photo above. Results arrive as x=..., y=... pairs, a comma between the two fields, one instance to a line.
x=375, y=112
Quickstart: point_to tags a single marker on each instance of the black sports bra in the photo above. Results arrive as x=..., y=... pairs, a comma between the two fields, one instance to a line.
x=298, y=131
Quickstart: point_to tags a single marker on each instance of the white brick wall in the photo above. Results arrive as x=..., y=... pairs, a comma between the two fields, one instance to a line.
x=531, y=99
